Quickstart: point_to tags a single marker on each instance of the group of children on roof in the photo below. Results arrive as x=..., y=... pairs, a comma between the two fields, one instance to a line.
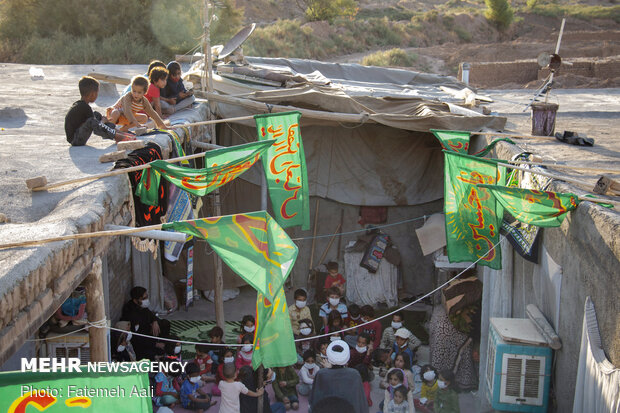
x=358, y=354
x=157, y=94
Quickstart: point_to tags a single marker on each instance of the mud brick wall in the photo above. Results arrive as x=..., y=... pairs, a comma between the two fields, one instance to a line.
x=607, y=69
x=119, y=276
x=490, y=74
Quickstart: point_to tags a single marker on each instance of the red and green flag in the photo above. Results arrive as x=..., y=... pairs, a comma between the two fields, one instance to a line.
x=221, y=167
x=285, y=168
x=540, y=208
x=473, y=217
x=450, y=140
x=67, y=392
x=458, y=141
x=256, y=248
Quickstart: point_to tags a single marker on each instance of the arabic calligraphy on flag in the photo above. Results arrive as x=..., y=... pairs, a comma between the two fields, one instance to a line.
x=473, y=217
x=285, y=168
x=221, y=167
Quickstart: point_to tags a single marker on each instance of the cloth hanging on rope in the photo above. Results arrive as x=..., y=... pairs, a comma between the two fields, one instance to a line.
x=541, y=208
x=221, y=166
x=145, y=214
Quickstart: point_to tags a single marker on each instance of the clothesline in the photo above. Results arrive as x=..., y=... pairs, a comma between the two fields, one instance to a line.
x=102, y=323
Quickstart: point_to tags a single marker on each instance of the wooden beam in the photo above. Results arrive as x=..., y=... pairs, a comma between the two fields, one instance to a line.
x=261, y=107
x=95, y=308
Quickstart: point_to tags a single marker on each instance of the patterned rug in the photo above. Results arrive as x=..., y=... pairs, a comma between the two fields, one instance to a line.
x=198, y=330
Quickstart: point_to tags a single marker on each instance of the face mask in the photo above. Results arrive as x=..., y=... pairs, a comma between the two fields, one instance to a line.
x=396, y=325
x=248, y=329
x=300, y=304
x=355, y=318
x=305, y=331
x=429, y=375
x=441, y=384
x=404, y=345
x=361, y=349
x=194, y=379
x=120, y=348
x=145, y=303
x=137, y=327
x=334, y=301
x=177, y=349
x=310, y=366
x=273, y=376
x=129, y=336
x=229, y=359
x=247, y=348
x=334, y=338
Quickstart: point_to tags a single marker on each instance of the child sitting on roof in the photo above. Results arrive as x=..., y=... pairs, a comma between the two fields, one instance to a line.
x=157, y=77
x=174, y=96
x=133, y=109
x=81, y=121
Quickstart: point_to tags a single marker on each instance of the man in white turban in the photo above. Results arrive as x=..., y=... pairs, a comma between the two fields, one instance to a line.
x=339, y=380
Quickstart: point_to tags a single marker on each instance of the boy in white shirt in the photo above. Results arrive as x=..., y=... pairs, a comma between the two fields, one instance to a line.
x=231, y=389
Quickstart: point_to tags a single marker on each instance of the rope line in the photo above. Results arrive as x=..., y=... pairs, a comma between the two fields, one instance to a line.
x=103, y=323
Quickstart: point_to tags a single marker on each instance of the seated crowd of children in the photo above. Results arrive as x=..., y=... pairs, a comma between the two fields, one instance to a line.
x=160, y=92
x=391, y=353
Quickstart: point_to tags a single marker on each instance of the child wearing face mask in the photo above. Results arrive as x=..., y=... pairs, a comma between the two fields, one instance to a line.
x=306, y=329
x=228, y=356
x=333, y=304
x=307, y=373
x=299, y=310
x=244, y=355
x=247, y=327
x=446, y=400
x=429, y=389
x=193, y=397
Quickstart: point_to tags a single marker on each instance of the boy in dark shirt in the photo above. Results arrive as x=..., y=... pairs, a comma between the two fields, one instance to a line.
x=81, y=121
x=174, y=96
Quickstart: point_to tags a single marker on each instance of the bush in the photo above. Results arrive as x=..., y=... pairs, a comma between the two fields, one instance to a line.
x=499, y=12
x=392, y=57
x=328, y=9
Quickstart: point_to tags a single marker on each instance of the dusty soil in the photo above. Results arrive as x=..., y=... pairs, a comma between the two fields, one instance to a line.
x=441, y=51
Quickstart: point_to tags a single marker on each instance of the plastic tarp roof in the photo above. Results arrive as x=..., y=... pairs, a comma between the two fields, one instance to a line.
x=391, y=158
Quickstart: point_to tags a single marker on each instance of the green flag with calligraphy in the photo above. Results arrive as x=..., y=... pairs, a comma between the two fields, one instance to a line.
x=221, y=167
x=458, y=141
x=256, y=248
x=473, y=217
x=450, y=140
x=540, y=208
x=285, y=168
x=67, y=392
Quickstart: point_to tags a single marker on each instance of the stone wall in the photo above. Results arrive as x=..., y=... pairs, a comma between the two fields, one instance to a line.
x=493, y=74
x=587, y=247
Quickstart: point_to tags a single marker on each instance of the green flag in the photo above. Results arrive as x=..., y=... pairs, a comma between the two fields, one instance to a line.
x=221, y=166
x=473, y=217
x=540, y=208
x=285, y=168
x=452, y=140
x=74, y=392
x=256, y=248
